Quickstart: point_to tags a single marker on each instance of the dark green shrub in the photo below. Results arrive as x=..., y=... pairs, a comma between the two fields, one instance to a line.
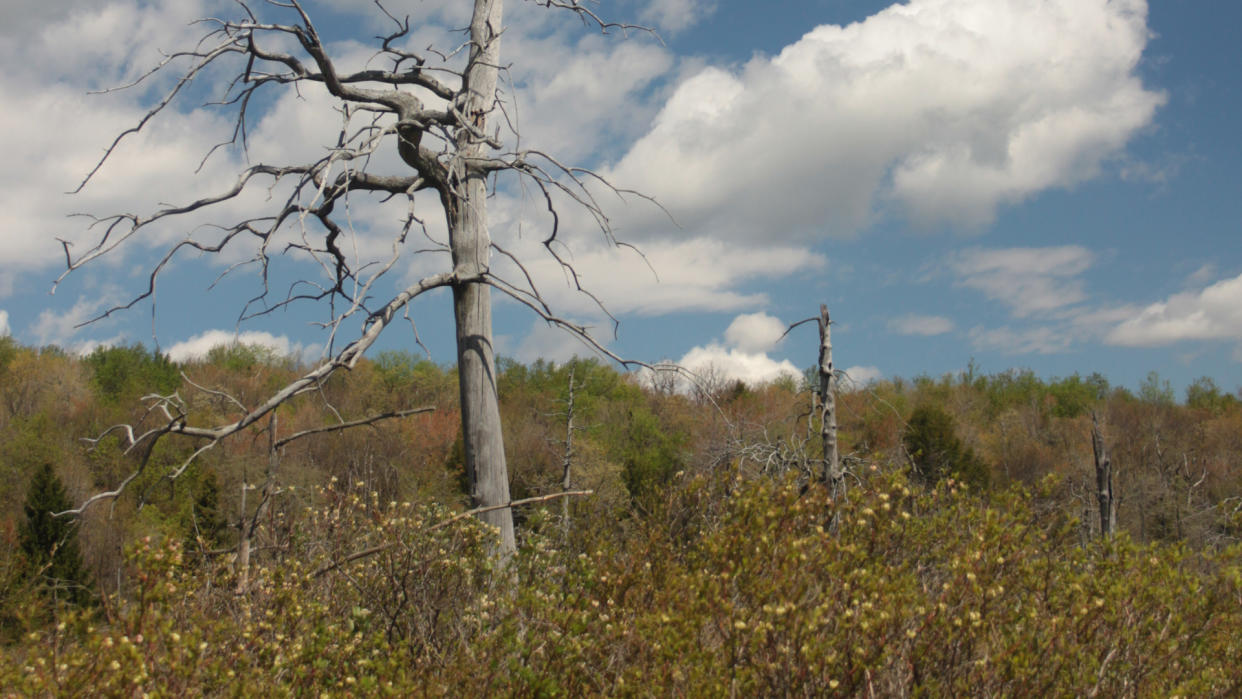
x=650, y=455
x=936, y=451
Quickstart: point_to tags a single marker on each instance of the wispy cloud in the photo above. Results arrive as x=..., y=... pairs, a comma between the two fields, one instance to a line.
x=913, y=324
x=672, y=16
x=1027, y=280
x=1037, y=340
x=65, y=328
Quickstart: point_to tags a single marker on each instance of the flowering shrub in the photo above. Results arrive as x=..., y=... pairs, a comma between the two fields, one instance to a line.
x=753, y=588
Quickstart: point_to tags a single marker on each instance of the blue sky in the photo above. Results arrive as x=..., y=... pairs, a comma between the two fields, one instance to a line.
x=1043, y=184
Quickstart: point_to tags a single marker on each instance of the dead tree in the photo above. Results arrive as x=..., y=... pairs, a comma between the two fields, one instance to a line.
x=444, y=120
x=1103, y=479
x=568, y=461
x=832, y=474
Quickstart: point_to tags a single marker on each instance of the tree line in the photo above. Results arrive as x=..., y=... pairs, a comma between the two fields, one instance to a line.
x=1175, y=463
x=966, y=554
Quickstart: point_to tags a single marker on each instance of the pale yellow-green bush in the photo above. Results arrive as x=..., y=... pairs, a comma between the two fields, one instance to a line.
x=752, y=588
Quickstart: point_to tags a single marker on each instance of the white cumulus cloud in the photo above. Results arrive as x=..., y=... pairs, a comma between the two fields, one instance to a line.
x=549, y=343
x=199, y=345
x=735, y=364
x=754, y=332
x=66, y=328
x=4, y=323
x=1214, y=313
x=948, y=108
x=699, y=274
x=743, y=355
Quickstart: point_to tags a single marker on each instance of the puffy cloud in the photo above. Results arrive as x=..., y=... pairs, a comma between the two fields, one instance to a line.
x=59, y=130
x=699, y=274
x=77, y=40
x=199, y=345
x=948, y=108
x=715, y=360
x=914, y=324
x=754, y=332
x=4, y=323
x=1028, y=280
x=743, y=355
x=564, y=107
x=1214, y=313
x=21, y=18
x=1202, y=276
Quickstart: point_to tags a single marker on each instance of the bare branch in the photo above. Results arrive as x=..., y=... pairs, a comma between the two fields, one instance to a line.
x=176, y=423
x=589, y=17
x=372, y=420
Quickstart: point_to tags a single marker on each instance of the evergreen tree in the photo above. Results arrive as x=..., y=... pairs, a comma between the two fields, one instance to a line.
x=937, y=452
x=50, y=543
x=209, y=522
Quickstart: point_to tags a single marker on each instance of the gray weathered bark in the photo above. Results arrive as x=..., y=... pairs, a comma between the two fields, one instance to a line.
x=568, y=461
x=832, y=474
x=466, y=209
x=1103, y=479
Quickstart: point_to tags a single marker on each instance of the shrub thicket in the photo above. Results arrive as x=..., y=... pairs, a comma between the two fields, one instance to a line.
x=695, y=568
x=914, y=591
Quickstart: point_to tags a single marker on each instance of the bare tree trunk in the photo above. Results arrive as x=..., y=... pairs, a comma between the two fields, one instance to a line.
x=249, y=525
x=470, y=241
x=832, y=475
x=569, y=453
x=241, y=567
x=1103, y=479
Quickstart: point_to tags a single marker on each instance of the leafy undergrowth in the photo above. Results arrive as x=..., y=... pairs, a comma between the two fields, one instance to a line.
x=749, y=588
